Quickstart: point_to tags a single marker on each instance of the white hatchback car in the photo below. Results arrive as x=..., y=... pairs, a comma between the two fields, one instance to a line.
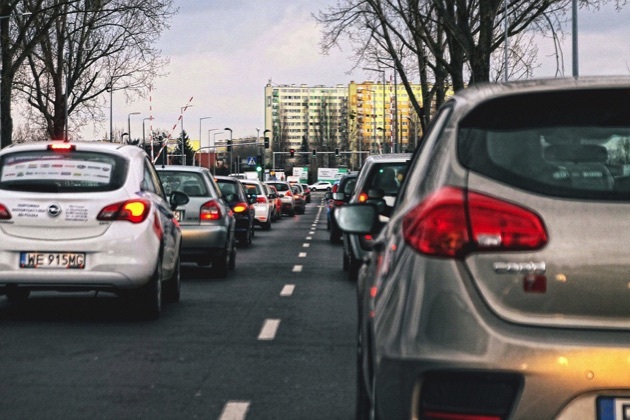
x=87, y=216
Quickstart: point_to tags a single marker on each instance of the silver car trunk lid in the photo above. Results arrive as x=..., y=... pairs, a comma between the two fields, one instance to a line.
x=55, y=217
x=581, y=278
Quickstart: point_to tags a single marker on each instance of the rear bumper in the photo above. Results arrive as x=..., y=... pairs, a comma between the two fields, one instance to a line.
x=113, y=261
x=202, y=242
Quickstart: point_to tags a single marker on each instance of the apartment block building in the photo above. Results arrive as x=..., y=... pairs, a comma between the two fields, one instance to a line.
x=368, y=117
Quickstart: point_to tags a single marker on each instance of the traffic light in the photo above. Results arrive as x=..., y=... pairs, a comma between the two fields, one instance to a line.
x=292, y=152
x=229, y=145
x=314, y=152
x=337, y=152
x=266, y=142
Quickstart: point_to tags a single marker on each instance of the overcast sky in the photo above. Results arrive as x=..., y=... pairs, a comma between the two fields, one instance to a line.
x=223, y=52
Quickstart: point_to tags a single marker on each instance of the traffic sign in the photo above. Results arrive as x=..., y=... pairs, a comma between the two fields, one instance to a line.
x=251, y=161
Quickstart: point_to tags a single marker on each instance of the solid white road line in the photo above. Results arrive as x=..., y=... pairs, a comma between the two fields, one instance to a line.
x=287, y=290
x=234, y=410
x=269, y=329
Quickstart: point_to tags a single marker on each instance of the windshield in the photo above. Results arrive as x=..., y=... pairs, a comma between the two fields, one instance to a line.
x=48, y=171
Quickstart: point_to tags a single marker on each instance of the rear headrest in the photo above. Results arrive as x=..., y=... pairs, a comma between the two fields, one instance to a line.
x=576, y=153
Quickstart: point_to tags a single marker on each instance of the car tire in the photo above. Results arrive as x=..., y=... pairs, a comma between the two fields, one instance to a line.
x=172, y=287
x=232, y=260
x=292, y=213
x=149, y=296
x=220, y=265
x=17, y=295
x=335, y=236
x=362, y=407
x=346, y=260
x=354, y=266
x=266, y=225
x=246, y=240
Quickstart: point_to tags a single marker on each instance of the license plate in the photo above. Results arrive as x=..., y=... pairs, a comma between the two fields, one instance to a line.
x=613, y=408
x=52, y=260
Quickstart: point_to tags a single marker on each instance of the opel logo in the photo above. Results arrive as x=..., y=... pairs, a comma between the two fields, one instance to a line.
x=54, y=210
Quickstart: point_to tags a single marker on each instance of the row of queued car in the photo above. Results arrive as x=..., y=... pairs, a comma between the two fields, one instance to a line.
x=496, y=287
x=97, y=216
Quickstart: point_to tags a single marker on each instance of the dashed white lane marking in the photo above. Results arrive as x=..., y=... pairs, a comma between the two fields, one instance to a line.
x=305, y=245
x=302, y=255
x=308, y=238
x=297, y=268
x=287, y=290
x=269, y=329
x=312, y=232
x=234, y=410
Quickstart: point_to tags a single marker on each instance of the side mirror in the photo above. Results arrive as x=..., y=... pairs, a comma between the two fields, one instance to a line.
x=178, y=198
x=357, y=218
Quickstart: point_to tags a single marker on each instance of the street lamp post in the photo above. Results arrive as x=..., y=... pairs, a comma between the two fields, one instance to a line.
x=182, y=143
x=230, y=146
x=129, y=125
x=201, y=119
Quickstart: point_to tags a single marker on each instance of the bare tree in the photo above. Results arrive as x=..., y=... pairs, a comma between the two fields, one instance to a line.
x=447, y=44
x=18, y=36
x=93, y=47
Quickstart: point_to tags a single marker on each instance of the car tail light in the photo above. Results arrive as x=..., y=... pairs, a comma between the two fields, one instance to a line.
x=134, y=211
x=210, y=210
x=363, y=197
x=261, y=199
x=240, y=207
x=453, y=222
x=338, y=203
x=5, y=214
x=62, y=147
x=288, y=194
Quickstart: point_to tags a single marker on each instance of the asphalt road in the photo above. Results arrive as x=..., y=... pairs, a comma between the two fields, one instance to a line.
x=275, y=340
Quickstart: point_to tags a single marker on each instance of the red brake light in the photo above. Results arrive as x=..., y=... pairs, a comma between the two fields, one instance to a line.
x=288, y=194
x=210, y=210
x=5, y=214
x=363, y=197
x=62, y=147
x=240, y=207
x=134, y=211
x=261, y=199
x=453, y=222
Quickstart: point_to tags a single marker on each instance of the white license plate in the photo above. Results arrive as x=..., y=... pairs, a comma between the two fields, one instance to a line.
x=52, y=260
x=613, y=408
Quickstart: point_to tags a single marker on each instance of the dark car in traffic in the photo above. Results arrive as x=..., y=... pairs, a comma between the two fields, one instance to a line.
x=234, y=193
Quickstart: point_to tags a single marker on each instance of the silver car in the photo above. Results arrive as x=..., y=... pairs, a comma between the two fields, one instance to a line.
x=500, y=286
x=207, y=222
x=87, y=216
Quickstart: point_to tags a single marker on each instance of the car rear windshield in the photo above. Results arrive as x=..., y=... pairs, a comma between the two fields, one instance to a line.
x=387, y=176
x=50, y=171
x=190, y=183
x=280, y=186
x=254, y=189
x=567, y=144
